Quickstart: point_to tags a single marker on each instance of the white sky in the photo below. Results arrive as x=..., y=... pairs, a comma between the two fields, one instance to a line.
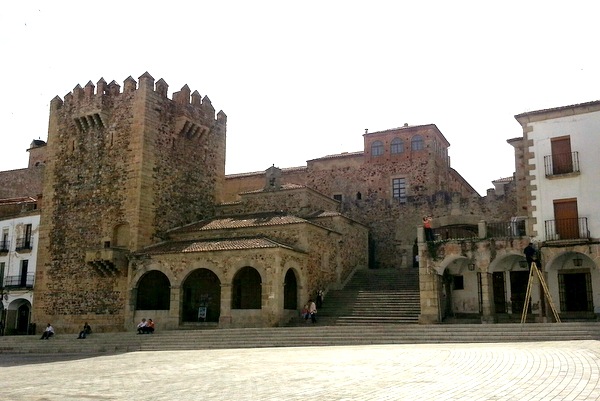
x=301, y=80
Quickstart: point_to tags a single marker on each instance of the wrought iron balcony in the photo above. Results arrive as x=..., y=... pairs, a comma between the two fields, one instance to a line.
x=24, y=244
x=565, y=229
x=20, y=281
x=506, y=229
x=561, y=163
x=4, y=246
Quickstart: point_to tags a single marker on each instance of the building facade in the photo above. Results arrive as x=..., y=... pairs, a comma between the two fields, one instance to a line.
x=564, y=215
x=19, y=228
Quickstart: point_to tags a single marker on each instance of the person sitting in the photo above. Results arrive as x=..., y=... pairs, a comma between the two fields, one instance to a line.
x=49, y=332
x=87, y=330
x=141, y=327
x=149, y=329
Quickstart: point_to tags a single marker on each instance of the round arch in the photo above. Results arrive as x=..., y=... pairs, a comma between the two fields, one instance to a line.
x=246, y=289
x=201, y=297
x=153, y=291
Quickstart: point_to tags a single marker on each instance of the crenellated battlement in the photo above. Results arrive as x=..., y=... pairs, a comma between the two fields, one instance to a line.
x=93, y=96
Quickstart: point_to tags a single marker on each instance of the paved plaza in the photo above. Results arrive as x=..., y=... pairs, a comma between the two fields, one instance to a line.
x=508, y=371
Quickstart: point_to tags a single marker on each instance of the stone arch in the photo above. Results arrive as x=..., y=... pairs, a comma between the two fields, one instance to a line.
x=153, y=291
x=201, y=297
x=509, y=280
x=246, y=289
x=573, y=278
x=18, y=317
x=290, y=290
x=121, y=235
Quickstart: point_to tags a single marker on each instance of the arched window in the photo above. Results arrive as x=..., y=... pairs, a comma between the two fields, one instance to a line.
x=246, y=291
x=397, y=146
x=417, y=143
x=377, y=148
x=154, y=292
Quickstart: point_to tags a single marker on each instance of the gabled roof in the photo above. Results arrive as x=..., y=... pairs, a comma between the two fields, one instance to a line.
x=232, y=222
x=284, y=187
x=213, y=245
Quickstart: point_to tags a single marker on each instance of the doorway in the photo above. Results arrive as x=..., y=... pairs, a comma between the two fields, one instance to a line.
x=499, y=292
x=575, y=290
x=518, y=290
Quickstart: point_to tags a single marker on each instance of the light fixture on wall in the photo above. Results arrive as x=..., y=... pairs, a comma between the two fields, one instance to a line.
x=523, y=264
x=577, y=261
x=471, y=267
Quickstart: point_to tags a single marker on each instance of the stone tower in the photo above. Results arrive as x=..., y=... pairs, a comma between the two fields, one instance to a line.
x=122, y=167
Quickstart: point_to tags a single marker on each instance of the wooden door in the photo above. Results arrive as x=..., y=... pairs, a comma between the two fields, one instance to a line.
x=566, y=218
x=562, y=159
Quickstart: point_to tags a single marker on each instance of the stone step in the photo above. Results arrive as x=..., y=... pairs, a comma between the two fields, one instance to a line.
x=346, y=333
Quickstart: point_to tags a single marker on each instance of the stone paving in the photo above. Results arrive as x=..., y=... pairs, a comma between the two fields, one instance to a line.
x=510, y=371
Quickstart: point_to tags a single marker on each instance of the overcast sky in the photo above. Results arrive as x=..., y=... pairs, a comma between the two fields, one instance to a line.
x=301, y=80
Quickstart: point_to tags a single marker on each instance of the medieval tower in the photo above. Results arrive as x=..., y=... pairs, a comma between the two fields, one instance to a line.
x=122, y=168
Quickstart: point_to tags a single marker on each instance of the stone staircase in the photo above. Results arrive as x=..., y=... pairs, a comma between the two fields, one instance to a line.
x=382, y=296
x=305, y=336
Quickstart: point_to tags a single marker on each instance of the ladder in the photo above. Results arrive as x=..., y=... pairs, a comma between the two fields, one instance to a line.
x=532, y=272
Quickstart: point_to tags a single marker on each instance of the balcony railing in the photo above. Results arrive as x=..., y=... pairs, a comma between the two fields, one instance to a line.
x=561, y=163
x=24, y=244
x=4, y=246
x=506, y=229
x=562, y=229
x=21, y=281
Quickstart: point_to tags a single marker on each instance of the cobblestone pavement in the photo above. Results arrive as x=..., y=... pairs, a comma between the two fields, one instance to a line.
x=513, y=371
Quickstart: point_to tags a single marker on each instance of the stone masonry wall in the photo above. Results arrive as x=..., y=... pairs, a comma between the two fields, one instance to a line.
x=118, y=159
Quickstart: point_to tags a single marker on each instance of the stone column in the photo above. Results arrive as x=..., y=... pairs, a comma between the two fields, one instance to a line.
x=225, y=316
x=487, y=298
x=429, y=286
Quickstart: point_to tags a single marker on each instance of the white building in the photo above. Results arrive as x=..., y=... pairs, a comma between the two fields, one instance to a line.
x=562, y=172
x=19, y=223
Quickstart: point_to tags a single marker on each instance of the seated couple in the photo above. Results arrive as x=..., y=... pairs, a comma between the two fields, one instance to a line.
x=145, y=327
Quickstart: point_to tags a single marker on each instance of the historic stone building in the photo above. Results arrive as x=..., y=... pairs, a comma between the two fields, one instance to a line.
x=132, y=223
x=139, y=220
x=400, y=175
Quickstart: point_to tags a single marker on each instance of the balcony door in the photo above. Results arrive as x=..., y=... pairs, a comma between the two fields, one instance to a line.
x=566, y=217
x=562, y=159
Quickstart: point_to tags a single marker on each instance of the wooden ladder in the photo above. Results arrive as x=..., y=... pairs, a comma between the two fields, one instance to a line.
x=532, y=271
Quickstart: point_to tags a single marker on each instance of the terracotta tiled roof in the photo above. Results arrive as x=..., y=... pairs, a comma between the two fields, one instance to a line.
x=213, y=245
x=255, y=220
x=285, y=169
x=506, y=179
x=339, y=155
x=327, y=214
x=542, y=111
x=283, y=187
x=14, y=201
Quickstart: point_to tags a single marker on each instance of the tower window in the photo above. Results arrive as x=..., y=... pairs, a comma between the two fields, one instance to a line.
x=417, y=143
x=377, y=148
x=399, y=189
x=397, y=146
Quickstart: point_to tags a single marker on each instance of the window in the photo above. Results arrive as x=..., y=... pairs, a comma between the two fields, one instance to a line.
x=337, y=197
x=358, y=196
x=397, y=146
x=2, y=274
x=4, y=241
x=399, y=189
x=417, y=143
x=377, y=148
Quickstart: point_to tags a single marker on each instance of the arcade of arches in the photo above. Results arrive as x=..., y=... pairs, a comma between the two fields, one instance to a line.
x=201, y=295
